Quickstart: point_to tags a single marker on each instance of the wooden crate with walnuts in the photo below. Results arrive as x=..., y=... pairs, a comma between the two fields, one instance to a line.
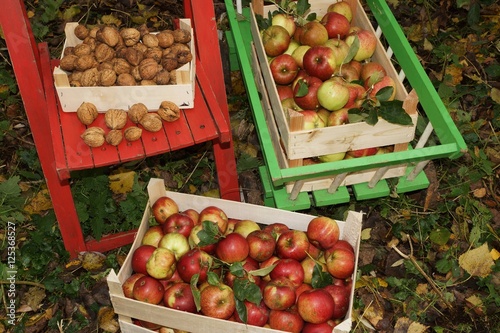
x=128, y=72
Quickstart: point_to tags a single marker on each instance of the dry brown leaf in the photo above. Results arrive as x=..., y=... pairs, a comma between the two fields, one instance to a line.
x=480, y=192
x=374, y=313
x=422, y=289
x=39, y=203
x=122, y=181
x=106, y=319
x=417, y=328
x=32, y=300
x=93, y=261
x=475, y=303
x=477, y=262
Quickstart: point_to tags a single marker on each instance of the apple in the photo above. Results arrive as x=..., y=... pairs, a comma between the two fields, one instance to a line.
x=279, y=294
x=289, y=103
x=367, y=43
x=341, y=7
x=257, y=314
x=291, y=47
x=153, y=235
x=286, y=21
x=232, y=248
x=140, y=257
x=284, y=92
x=311, y=120
x=128, y=285
x=193, y=214
x=341, y=296
x=268, y=263
x=284, y=69
x=320, y=61
x=180, y=297
x=248, y=265
x=175, y=242
x=340, y=50
x=371, y=73
x=275, y=39
x=300, y=289
x=261, y=244
x=230, y=225
x=315, y=306
x=163, y=207
x=338, y=117
x=333, y=94
x=289, y=268
x=216, y=215
x=245, y=227
x=313, y=33
x=362, y=152
x=298, y=54
x=323, y=232
x=276, y=229
x=292, y=244
x=340, y=263
x=161, y=264
x=306, y=92
x=314, y=251
x=336, y=24
x=180, y=223
x=147, y=324
x=193, y=262
x=173, y=279
x=149, y=290
x=217, y=301
x=326, y=327
x=194, y=240
x=286, y=320
x=386, y=81
x=348, y=72
x=357, y=94
x=308, y=265
x=332, y=157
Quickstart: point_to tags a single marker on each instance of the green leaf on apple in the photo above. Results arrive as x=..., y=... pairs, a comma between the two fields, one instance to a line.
x=209, y=234
x=262, y=271
x=353, y=49
x=213, y=279
x=356, y=115
x=384, y=94
x=372, y=118
x=237, y=269
x=241, y=309
x=245, y=289
x=303, y=88
x=393, y=112
x=195, y=290
x=302, y=7
x=320, y=278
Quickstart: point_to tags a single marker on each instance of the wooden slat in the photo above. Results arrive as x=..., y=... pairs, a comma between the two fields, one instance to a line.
x=178, y=132
x=129, y=151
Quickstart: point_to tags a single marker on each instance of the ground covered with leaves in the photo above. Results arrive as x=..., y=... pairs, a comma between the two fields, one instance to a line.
x=428, y=260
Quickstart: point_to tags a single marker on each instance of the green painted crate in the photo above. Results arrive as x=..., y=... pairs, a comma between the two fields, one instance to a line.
x=284, y=185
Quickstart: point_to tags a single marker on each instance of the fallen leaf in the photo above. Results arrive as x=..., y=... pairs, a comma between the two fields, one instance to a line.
x=495, y=254
x=417, y=328
x=495, y=95
x=122, y=182
x=39, y=203
x=93, y=261
x=111, y=20
x=476, y=304
x=106, y=319
x=374, y=313
x=480, y=192
x=33, y=298
x=365, y=233
x=477, y=262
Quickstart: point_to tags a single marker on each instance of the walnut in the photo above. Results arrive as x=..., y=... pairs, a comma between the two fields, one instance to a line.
x=103, y=53
x=135, y=73
x=133, y=56
x=182, y=53
x=68, y=50
x=143, y=29
x=93, y=136
x=90, y=77
x=148, y=69
x=107, y=77
x=87, y=113
x=169, y=111
x=131, y=36
x=125, y=79
x=137, y=111
x=162, y=77
x=68, y=62
x=141, y=47
x=81, y=31
x=150, y=40
x=121, y=51
x=173, y=77
x=148, y=83
x=115, y=118
x=82, y=49
x=93, y=32
x=105, y=65
x=114, y=137
x=91, y=41
x=182, y=36
x=108, y=35
x=75, y=75
x=85, y=62
x=151, y=122
x=154, y=53
x=75, y=83
x=165, y=38
x=132, y=133
x=121, y=66
x=169, y=64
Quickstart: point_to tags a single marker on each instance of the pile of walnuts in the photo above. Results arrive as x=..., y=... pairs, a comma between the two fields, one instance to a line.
x=108, y=56
x=116, y=119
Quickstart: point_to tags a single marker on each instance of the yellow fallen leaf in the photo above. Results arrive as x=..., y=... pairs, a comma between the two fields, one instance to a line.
x=495, y=254
x=93, y=261
x=122, y=181
x=106, y=319
x=39, y=203
x=475, y=303
x=477, y=262
x=111, y=20
x=480, y=192
x=374, y=313
x=214, y=193
x=365, y=233
x=417, y=328
x=33, y=298
x=495, y=95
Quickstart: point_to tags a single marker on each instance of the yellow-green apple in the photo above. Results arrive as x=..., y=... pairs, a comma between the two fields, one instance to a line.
x=367, y=43
x=284, y=69
x=289, y=268
x=311, y=120
x=323, y=114
x=279, y=294
x=161, y=264
x=357, y=94
x=340, y=50
x=287, y=320
x=326, y=327
x=230, y=225
x=153, y=235
x=323, y=232
x=320, y=61
x=305, y=92
x=148, y=289
x=362, y=152
x=340, y=262
x=180, y=223
x=292, y=47
x=194, y=240
x=338, y=117
x=357, y=65
x=180, y=297
x=275, y=39
x=232, y=248
x=386, y=81
x=332, y=94
x=313, y=34
x=140, y=257
x=332, y=157
x=163, y=207
x=292, y=244
x=257, y=314
x=289, y=103
x=215, y=215
x=298, y=54
x=128, y=285
x=371, y=73
x=341, y=7
x=195, y=261
x=245, y=227
x=217, y=301
x=175, y=242
x=340, y=295
x=315, y=306
x=286, y=21
x=261, y=245
x=276, y=229
x=337, y=25
x=308, y=265
x=284, y=92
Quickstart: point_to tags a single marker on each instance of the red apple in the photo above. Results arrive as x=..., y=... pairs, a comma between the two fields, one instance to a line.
x=175, y=242
x=193, y=214
x=292, y=244
x=371, y=73
x=342, y=244
x=341, y=7
x=268, y=263
x=128, y=285
x=178, y=222
x=232, y=248
x=298, y=54
x=180, y=297
x=215, y=215
x=314, y=251
x=326, y=327
x=303, y=287
x=386, y=81
x=279, y=294
x=315, y=306
x=257, y=314
x=217, y=301
x=362, y=152
x=275, y=39
x=357, y=94
x=340, y=295
x=313, y=33
x=286, y=21
x=332, y=94
x=338, y=117
x=286, y=320
x=245, y=227
x=173, y=279
x=195, y=261
x=348, y=72
x=340, y=50
x=340, y=263
x=147, y=324
x=320, y=61
x=140, y=257
x=337, y=25
x=276, y=229
x=305, y=92
x=149, y=290
x=284, y=69
x=284, y=92
x=261, y=245
x=289, y=268
x=308, y=265
x=163, y=207
x=311, y=120
x=161, y=264
x=367, y=43
x=153, y=235
x=323, y=232
x=248, y=265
